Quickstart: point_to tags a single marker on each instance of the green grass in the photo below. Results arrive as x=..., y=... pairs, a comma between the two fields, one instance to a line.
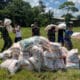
x=71, y=74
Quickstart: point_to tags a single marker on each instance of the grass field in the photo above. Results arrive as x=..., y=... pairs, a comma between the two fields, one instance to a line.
x=71, y=74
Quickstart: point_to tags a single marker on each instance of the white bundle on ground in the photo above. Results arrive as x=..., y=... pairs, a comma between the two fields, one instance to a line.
x=35, y=63
x=61, y=26
x=37, y=57
x=13, y=52
x=6, y=54
x=12, y=65
x=73, y=56
x=73, y=59
x=56, y=48
x=72, y=65
x=76, y=35
x=48, y=60
x=26, y=64
x=53, y=62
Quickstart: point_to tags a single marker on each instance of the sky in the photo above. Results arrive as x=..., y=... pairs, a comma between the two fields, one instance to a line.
x=53, y=5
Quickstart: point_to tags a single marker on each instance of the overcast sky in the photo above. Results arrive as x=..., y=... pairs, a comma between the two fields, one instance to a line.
x=54, y=5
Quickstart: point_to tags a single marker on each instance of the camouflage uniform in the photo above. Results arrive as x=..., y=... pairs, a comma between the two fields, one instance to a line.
x=6, y=38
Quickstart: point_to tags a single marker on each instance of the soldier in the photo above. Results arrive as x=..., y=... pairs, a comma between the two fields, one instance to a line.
x=68, y=42
x=51, y=29
x=35, y=29
x=61, y=30
x=17, y=31
x=5, y=35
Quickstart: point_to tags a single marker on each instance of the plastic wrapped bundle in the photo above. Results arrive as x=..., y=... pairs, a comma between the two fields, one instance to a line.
x=73, y=56
x=72, y=59
x=13, y=52
x=37, y=52
x=55, y=47
x=34, y=59
x=52, y=61
x=55, y=59
x=35, y=63
x=26, y=43
x=12, y=65
x=25, y=64
x=48, y=60
x=5, y=55
x=76, y=35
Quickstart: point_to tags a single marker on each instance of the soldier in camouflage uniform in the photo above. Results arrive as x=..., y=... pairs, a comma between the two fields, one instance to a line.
x=6, y=38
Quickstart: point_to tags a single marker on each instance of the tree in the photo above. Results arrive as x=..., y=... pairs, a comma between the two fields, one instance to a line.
x=20, y=12
x=3, y=3
x=50, y=16
x=39, y=12
x=69, y=7
x=78, y=17
x=41, y=6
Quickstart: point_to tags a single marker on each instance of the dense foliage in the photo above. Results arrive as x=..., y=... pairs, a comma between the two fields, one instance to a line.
x=22, y=12
x=69, y=7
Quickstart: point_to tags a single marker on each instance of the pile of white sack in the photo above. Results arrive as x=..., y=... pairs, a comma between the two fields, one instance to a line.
x=37, y=53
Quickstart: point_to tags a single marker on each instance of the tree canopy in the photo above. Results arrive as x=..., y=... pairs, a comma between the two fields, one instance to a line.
x=69, y=7
x=21, y=12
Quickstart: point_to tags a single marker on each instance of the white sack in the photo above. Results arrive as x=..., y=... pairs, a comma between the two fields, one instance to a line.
x=72, y=59
x=25, y=64
x=7, y=21
x=48, y=60
x=73, y=56
x=48, y=27
x=11, y=65
x=61, y=26
x=52, y=61
x=72, y=65
x=35, y=63
x=6, y=54
x=76, y=35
